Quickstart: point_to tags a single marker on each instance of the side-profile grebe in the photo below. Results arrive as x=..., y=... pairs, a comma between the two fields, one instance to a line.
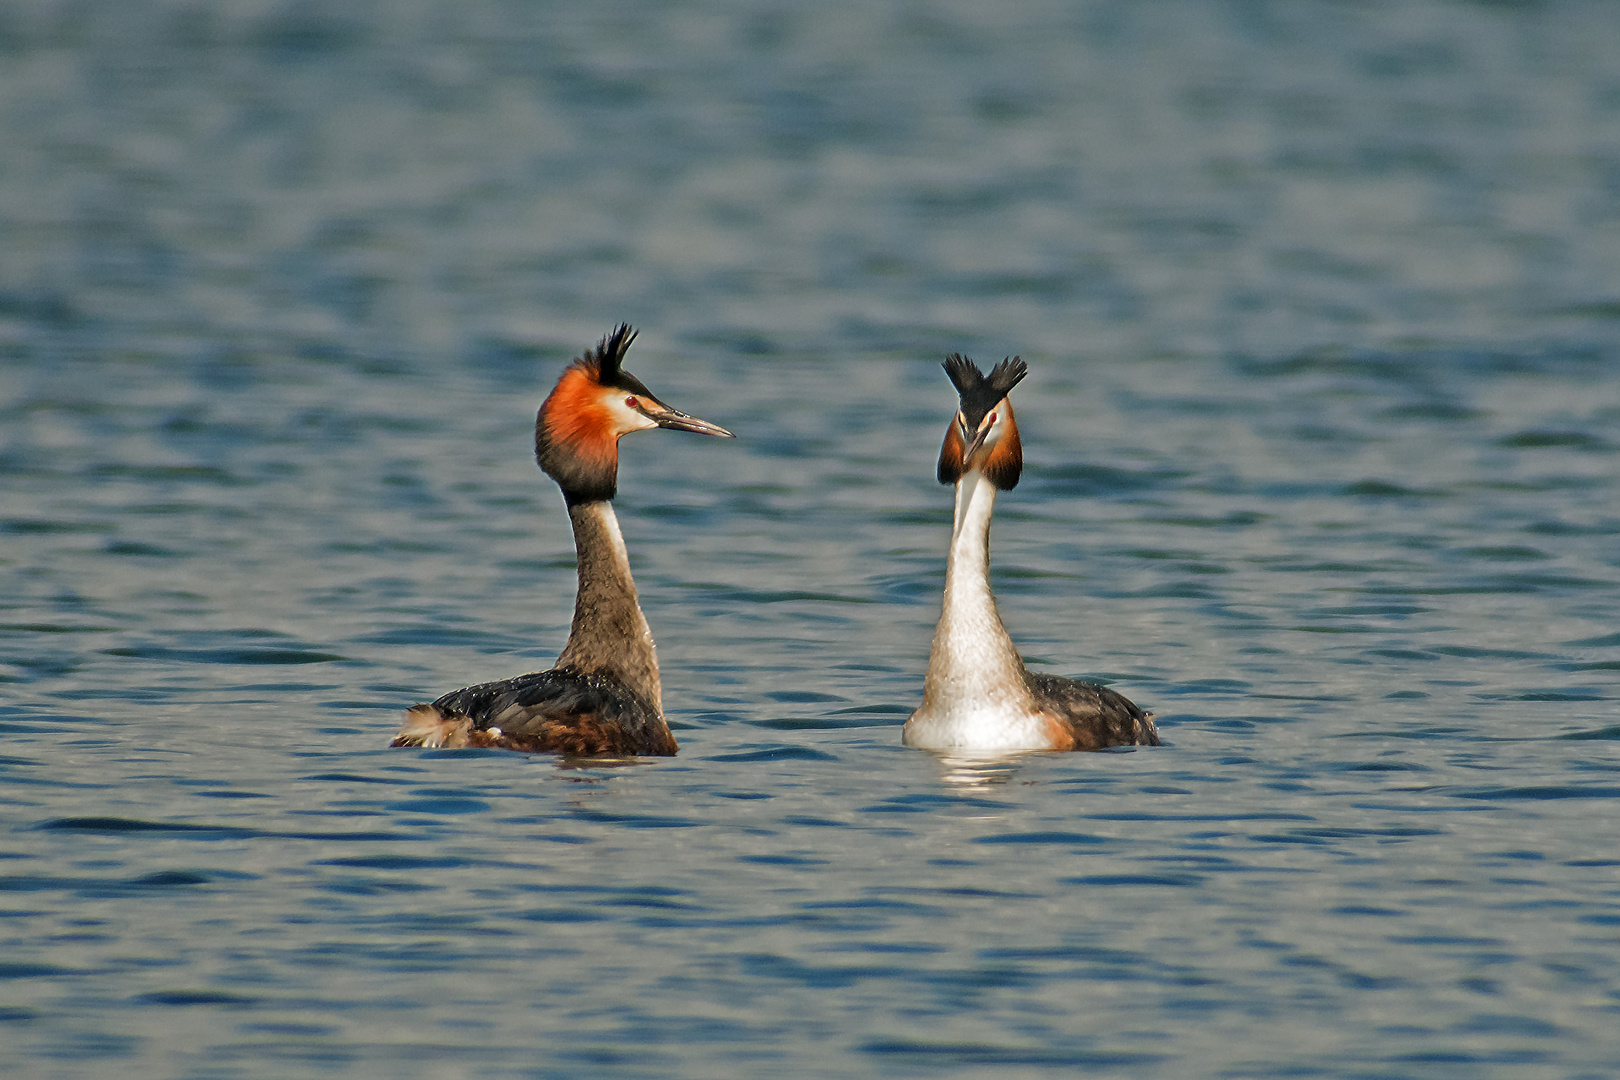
x=978, y=694
x=603, y=698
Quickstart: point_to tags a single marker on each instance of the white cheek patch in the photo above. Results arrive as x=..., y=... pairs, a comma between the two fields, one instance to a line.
x=624, y=417
x=998, y=426
x=992, y=435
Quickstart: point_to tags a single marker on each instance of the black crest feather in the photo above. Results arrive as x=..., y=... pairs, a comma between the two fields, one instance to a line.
x=606, y=361
x=608, y=356
x=978, y=391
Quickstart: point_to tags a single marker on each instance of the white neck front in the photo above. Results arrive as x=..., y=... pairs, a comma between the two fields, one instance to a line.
x=973, y=669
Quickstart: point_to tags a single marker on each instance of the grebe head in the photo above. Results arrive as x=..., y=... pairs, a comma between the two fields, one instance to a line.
x=594, y=404
x=983, y=435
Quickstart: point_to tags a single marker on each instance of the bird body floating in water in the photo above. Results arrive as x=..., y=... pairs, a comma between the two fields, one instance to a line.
x=603, y=699
x=977, y=695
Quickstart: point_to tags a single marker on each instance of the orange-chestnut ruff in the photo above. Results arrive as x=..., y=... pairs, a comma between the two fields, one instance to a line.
x=983, y=434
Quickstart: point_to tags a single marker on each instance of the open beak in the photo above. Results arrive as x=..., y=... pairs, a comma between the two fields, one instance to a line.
x=676, y=420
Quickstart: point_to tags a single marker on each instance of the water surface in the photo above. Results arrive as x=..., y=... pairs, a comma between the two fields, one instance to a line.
x=1320, y=303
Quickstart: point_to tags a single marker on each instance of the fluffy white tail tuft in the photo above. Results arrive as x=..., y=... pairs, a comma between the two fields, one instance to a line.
x=426, y=726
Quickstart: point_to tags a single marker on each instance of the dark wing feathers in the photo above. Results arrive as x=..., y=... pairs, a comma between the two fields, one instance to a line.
x=1096, y=715
x=563, y=712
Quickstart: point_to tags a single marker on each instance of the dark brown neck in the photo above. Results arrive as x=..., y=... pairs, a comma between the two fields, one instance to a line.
x=610, y=635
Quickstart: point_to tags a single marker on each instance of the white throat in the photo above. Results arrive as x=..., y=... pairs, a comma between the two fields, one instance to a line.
x=974, y=695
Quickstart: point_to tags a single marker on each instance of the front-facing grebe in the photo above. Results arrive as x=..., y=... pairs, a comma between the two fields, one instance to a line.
x=978, y=696
x=603, y=698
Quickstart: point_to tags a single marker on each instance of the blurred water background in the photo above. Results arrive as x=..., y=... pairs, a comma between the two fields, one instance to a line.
x=1322, y=308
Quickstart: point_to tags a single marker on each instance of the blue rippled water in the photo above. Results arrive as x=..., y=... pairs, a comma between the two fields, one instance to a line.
x=1322, y=308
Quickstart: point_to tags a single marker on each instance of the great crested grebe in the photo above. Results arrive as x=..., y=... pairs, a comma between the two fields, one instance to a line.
x=603, y=698
x=978, y=694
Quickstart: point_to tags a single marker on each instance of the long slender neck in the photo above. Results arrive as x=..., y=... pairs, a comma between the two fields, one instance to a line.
x=972, y=656
x=609, y=635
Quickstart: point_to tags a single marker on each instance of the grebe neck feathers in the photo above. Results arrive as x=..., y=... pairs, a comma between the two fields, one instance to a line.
x=609, y=634
x=975, y=691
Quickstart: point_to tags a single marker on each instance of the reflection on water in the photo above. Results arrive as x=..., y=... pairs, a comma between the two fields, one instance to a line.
x=977, y=771
x=1319, y=303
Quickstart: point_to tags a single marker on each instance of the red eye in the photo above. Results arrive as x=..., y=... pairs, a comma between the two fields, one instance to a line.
x=632, y=402
x=992, y=418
